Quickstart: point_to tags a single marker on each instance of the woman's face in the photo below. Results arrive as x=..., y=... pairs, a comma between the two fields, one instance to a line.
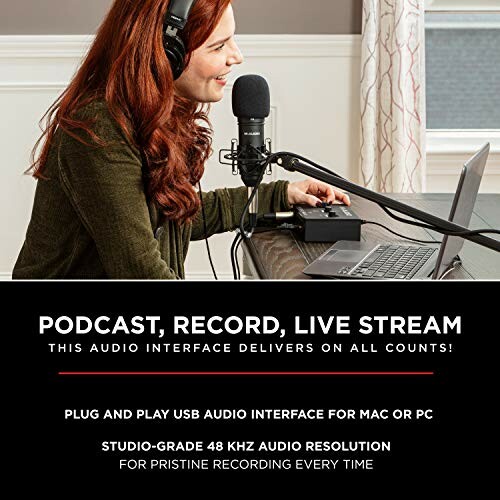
x=199, y=82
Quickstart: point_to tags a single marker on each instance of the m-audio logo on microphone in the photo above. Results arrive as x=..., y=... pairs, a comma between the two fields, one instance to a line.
x=251, y=133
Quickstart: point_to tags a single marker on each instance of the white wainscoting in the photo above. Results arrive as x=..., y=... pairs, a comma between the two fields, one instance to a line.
x=448, y=150
x=314, y=83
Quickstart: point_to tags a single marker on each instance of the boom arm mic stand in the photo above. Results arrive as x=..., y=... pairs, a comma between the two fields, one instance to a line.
x=293, y=164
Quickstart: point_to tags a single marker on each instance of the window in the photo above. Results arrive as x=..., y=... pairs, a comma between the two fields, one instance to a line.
x=462, y=89
x=462, y=65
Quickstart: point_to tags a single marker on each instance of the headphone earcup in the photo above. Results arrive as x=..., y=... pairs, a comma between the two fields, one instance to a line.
x=176, y=53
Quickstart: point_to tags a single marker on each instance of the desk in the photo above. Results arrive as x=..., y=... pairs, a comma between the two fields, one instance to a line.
x=281, y=255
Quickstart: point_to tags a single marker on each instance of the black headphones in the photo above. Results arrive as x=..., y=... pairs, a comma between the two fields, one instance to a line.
x=175, y=21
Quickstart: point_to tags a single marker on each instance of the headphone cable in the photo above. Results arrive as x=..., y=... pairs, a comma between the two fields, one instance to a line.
x=206, y=233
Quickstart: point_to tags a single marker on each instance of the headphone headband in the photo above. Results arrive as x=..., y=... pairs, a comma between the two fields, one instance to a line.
x=178, y=13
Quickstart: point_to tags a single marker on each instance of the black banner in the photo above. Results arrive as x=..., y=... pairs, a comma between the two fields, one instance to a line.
x=346, y=383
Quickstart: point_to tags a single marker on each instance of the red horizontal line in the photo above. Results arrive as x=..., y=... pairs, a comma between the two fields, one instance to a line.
x=242, y=373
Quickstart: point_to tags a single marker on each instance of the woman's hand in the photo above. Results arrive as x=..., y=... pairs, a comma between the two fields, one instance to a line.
x=311, y=192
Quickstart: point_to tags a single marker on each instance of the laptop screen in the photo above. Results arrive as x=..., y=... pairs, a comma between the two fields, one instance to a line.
x=462, y=208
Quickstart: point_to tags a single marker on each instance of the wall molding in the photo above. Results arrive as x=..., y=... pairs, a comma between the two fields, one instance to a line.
x=447, y=150
x=445, y=142
x=451, y=164
x=462, y=5
x=462, y=26
x=300, y=45
x=76, y=46
x=32, y=86
x=44, y=46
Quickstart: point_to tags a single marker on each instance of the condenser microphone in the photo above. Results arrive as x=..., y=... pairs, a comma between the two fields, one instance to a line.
x=251, y=105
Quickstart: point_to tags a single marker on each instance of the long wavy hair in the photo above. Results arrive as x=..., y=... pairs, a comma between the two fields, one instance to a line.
x=127, y=66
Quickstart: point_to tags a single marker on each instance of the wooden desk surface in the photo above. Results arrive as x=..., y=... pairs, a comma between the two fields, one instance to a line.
x=281, y=255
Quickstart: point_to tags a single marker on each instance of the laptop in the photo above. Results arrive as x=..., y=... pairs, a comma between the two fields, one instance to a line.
x=361, y=260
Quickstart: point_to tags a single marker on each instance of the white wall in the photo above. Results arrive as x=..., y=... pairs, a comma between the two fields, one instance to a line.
x=314, y=83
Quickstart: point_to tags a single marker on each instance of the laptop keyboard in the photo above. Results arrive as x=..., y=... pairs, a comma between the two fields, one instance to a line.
x=393, y=261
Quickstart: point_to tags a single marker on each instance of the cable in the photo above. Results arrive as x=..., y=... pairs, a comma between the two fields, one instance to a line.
x=233, y=261
x=243, y=233
x=475, y=231
x=454, y=265
x=250, y=199
x=236, y=258
x=206, y=232
x=406, y=221
x=400, y=235
x=239, y=239
x=435, y=228
x=282, y=227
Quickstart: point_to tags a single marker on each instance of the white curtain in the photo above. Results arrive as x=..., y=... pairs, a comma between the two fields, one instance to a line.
x=393, y=96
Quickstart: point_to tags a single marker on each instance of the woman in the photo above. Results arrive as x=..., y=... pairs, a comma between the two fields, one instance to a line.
x=125, y=146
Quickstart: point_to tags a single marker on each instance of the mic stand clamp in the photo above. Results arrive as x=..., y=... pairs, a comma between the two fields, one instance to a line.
x=233, y=155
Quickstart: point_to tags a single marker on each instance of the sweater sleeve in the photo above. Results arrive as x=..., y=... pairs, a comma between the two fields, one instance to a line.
x=105, y=187
x=223, y=207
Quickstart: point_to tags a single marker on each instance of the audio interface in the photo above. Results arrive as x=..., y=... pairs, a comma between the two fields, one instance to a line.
x=328, y=223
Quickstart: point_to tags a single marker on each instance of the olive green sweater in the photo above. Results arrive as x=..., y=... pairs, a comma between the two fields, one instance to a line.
x=91, y=218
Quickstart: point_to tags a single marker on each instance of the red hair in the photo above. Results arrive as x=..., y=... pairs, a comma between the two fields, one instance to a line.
x=127, y=66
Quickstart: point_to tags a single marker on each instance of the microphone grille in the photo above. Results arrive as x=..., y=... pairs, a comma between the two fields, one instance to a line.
x=251, y=97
